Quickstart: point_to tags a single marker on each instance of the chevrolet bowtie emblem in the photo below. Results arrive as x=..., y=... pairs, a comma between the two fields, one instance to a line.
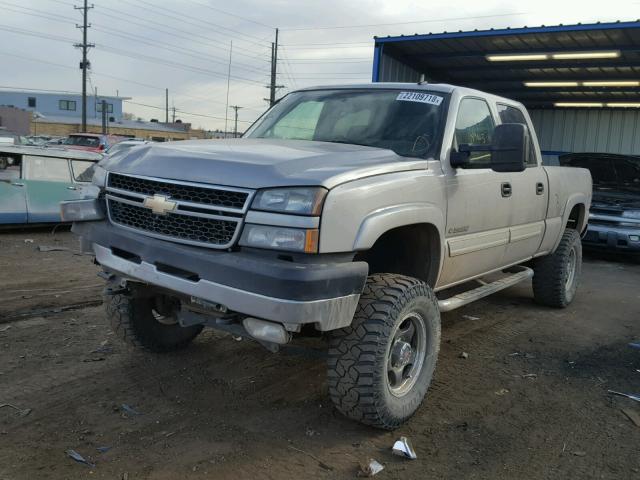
x=159, y=204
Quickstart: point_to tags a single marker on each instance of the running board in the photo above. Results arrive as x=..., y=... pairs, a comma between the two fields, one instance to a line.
x=484, y=290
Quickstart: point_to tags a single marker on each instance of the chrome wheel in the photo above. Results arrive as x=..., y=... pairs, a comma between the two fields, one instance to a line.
x=406, y=354
x=571, y=270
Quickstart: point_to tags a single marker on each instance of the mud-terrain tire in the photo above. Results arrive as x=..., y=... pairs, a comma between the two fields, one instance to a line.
x=134, y=321
x=368, y=361
x=556, y=276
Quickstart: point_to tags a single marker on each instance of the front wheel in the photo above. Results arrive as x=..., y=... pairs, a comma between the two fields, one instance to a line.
x=380, y=367
x=556, y=276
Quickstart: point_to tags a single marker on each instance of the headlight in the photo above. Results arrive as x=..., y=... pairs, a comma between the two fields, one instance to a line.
x=81, y=210
x=99, y=177
x=301, y=201
x=280, y=238
x=631, y=214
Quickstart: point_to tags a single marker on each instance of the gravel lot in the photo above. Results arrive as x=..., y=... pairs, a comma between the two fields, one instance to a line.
x=530, y=401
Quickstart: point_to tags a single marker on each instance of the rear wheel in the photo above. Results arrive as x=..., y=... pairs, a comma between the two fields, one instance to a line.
x=148, y=322
x=380, y=367
x=556, y=276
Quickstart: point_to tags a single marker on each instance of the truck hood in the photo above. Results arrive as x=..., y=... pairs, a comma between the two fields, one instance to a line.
x=259, y=163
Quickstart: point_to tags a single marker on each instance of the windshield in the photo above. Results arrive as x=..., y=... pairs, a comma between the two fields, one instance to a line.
x=407, y=122
x=81, y=141
x=608, y=172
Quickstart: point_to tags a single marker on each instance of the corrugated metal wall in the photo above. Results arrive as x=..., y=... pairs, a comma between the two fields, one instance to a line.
x=391, y=70
x=588, y=130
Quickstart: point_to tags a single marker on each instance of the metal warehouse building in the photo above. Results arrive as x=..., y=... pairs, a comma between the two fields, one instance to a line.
x=581, y=83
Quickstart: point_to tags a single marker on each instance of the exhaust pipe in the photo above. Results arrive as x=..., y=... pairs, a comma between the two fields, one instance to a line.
x=265, y=331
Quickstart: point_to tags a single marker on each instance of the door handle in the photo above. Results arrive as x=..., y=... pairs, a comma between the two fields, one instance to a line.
x=539, y=188
x=71, y=187
x=18, y=184
x=505, y=189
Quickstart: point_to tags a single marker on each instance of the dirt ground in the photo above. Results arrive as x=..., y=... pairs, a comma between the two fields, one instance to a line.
x=530, y=401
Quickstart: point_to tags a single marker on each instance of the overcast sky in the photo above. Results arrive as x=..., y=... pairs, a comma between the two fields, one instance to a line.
x=145, y=46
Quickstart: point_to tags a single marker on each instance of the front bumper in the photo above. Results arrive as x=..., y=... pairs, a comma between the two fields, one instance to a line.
x=618, y=239
x=250, y=283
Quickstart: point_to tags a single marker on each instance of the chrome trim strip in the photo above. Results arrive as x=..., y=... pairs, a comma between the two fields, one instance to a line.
x=282, y=220
x=177, y=212
x=202, y=206
x=177, y=239
x=613, y=218
x=327, y=314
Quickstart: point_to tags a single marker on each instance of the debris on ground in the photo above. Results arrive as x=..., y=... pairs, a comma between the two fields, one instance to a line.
x=635, y=345
x=129, y=410
x=501, y=392
x=632, y=415
x=47, y=248
x=531, y=376
x=310, y=432
x=237, y=339
x=370, y=468
x=28, y=240
x=22, y=412
x=464, y=355
x=403, y=448
x=470, y=317
x=103, y=348
x=103, y=449
x=5, y=328
x=627, y=395
x=579, y=453
x=310, y=455
x=79, y=458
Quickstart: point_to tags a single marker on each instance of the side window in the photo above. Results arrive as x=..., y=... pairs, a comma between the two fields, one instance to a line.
x=82, y=170
x=10, y=168
x=510, y=114
x=475, y=125
x=46, y=168
x=300, y=123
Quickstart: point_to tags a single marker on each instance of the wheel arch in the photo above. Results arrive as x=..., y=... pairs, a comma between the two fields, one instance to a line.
x=413, y=231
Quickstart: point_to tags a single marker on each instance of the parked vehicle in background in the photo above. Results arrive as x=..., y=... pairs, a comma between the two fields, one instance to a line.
x=343, y=210
x=125, y=145
x=34, y=180
x=91, y=142
x=614, y=219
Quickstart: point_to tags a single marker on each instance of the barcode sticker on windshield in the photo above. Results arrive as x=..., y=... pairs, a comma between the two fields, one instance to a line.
x=419, y=97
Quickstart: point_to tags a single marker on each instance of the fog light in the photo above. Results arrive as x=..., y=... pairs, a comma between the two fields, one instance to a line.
x=634, y=238
x=81, y=210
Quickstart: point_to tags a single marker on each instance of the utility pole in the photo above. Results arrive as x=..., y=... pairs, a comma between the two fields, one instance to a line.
x=274, y=64
x=104, y=116
x=274, y=73
x=235, y=128
x=84, y=64
x=174, y=114
x=226, y=110
x=166, y=105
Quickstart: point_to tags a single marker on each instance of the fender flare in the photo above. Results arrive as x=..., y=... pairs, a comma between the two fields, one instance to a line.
x=380, y=221
x=572, y=201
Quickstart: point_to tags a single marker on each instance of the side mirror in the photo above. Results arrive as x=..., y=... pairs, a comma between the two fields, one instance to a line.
x=510, y=147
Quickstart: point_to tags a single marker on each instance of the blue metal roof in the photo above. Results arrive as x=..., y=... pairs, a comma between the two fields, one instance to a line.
x=460, y=58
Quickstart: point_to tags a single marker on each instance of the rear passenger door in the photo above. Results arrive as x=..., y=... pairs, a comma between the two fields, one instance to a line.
x=13, y=202
x=529, y=196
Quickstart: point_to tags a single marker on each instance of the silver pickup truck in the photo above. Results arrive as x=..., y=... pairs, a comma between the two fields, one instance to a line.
x=346, y=210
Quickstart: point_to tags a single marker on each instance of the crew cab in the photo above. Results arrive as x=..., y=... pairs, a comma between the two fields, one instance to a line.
x=348, y=210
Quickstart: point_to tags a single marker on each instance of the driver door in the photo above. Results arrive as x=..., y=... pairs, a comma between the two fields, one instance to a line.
x=479, y=206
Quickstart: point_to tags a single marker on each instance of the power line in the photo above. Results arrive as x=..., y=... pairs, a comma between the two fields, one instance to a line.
x=176, y=14
x=183, y=111
x=232, y=14
x=434, y=20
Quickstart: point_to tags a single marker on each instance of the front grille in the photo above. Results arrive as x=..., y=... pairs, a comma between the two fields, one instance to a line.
x=202, y=214
x=183, y=227
x=179, y=191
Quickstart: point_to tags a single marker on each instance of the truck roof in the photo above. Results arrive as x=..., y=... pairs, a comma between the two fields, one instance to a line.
x=431, y=87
